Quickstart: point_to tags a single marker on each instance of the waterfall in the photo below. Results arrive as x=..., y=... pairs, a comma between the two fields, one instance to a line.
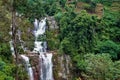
x=28, y=67
x=12, y=48
x=21, y=41
x=40, y=47
x=11, y=43
x=25, y=58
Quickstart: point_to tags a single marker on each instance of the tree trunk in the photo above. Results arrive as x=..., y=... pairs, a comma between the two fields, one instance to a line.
x=14, y=38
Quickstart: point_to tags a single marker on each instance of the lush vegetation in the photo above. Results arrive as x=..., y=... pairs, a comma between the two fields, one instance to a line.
x=92, y=42
x=91, y=39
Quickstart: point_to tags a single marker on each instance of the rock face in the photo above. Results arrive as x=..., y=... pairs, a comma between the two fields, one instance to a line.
x=39, y=65
x=62, y=67
x=35, y=66
x=52, y=24
x=99, y=10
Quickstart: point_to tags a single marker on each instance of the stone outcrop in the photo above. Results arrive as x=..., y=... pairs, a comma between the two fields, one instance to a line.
x=62, y=67
x=52, y=24
x=35, y=64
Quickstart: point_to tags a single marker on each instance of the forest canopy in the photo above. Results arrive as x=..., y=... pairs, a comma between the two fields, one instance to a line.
x=89, y=32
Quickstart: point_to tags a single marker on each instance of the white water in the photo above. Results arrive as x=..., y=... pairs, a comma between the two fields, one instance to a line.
x=40, y=47
x=11, y=43
x=25, y=58
x=21, y=41
x=12, y=48
x=28, y=67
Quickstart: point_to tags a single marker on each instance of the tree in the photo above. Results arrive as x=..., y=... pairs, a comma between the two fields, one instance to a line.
x=14, y=37
x=6, y=70
x=109, y=47
x=100, y=67
x=80, y=31
x=62, y=2
x=26, y=9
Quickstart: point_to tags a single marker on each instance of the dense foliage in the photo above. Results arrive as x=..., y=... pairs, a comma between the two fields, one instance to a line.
x=92, y=42
x=100, y=67
x=6, y=70
x=82, y=33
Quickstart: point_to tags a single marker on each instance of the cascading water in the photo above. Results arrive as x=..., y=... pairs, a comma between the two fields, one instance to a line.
x=11, y=43
x=25, y=58
x=21, y=41
x=28, y=67
x=12, y=48
x=40, y=47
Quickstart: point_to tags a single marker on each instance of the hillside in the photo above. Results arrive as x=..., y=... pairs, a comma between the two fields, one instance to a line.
x=59, y=40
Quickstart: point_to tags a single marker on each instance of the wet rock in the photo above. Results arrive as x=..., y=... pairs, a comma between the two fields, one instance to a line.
x=34, y=60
